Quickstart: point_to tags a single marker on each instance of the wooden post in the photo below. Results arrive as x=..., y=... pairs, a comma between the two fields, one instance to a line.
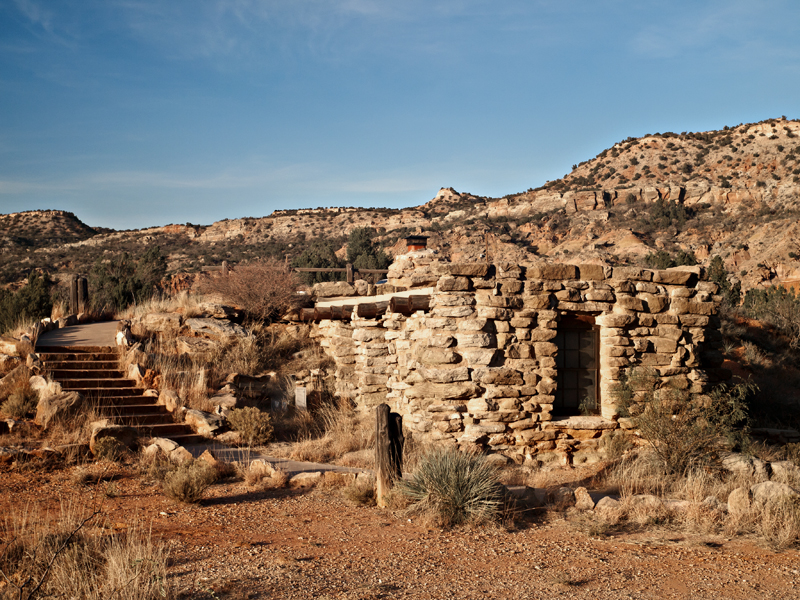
x=83, y=295
x=73, y=295
x=224, y=268
x=388, y=451
x=350, y=278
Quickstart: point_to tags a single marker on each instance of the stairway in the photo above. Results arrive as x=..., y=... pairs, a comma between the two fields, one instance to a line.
x=94, y=372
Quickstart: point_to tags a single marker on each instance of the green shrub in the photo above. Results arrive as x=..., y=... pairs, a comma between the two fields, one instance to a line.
x=126, y=279
x=454, y=487
x=777, y=305
x=254, y=425
x=189, y=481
x=30, y=302
x=684, y=429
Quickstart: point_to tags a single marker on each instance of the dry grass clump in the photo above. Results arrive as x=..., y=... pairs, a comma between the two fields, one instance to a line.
x=253, y=425
x=188, y=482
x=360, y=494
x=20, y=398
x=61, y=558
x=452, y=487
x=110, y=449
x=341, y=430
x=183, y=302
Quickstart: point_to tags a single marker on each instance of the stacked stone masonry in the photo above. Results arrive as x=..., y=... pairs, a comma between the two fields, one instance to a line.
x=479, y=367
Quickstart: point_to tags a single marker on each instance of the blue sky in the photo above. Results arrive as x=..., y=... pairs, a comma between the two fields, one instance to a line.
x=133, y=113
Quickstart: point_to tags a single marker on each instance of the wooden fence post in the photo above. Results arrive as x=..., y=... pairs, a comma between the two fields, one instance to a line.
x=388, y=451
x=73, y=295
x=83, y=295
x=350, y=277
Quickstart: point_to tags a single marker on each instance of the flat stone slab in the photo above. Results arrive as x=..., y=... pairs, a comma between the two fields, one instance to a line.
x=87, y=334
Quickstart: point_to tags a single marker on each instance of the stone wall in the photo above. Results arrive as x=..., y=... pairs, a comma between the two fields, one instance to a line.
x=479, y=367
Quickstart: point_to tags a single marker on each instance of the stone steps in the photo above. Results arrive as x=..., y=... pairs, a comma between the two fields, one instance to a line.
x=94, y=372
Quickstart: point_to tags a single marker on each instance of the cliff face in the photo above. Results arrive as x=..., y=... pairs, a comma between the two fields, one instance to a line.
x=733, y=193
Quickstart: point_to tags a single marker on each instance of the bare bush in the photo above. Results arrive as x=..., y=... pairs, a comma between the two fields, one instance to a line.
x=254, y=426
x=264, y=289
x=188, y=482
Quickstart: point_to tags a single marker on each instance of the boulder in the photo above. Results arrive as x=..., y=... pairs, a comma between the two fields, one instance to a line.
x=785, y=470
x=57, y=407
x=180, y=456
x=170, y=400
x=216, y=328
x=563, y=497
x=8, y=346
x=229, y=438
x=749, y=466
x=333, y=288
x=160, y=322
x=606, y=503
x=772, y=492
x=224, y=400
x=105, y=428
x=306, y=480
x=361, y=287
x=739, y=501
x=527, y=497
x=199, y=348
x=583, y=501
x=206, y=424
x=217, y=311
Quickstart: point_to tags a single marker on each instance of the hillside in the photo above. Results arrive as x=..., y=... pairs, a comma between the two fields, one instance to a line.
x=733, y=193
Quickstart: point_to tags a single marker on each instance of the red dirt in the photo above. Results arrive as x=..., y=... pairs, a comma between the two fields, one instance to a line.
x=240, y=543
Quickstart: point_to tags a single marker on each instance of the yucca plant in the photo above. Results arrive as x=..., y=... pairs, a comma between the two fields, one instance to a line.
x=454, y=487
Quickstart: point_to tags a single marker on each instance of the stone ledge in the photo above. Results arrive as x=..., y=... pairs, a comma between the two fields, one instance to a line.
x=580, y=422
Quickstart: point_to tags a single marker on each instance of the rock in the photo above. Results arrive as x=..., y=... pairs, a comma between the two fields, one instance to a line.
x=170, y=400
x=206, y=424
x=12, y=380
x=104, y=428
x=217, y=311
x=772, y=492
x=199, y=348
x=43, y=387
x=164, y=444
x=216, y=328
x=527, y=497
x=333, y=288
x=563, y=497
x=8, y=346
x=151, y=393
x=739, y=501
x=749, y=466
x=58, y=407
x=180, y=456
x=209, y=457
x=583, y=501
x=229, y=438
x=606, y=503
x=361, y=287
x=785, y=470
x=306, y=480
x=224, y=401
x=262, y=466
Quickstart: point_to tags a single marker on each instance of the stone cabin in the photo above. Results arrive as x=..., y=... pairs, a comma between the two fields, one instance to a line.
x=519, y=360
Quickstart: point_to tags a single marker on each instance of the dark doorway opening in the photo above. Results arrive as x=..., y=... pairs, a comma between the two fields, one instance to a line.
x=577, y=364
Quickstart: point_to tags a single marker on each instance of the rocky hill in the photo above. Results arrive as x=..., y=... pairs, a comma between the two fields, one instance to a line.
x=733, y=193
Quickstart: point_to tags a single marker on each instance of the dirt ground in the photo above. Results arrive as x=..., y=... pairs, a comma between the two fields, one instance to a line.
x=240, y=543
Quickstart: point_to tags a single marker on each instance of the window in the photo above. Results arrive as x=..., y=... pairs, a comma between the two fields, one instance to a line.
x=577, y=363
